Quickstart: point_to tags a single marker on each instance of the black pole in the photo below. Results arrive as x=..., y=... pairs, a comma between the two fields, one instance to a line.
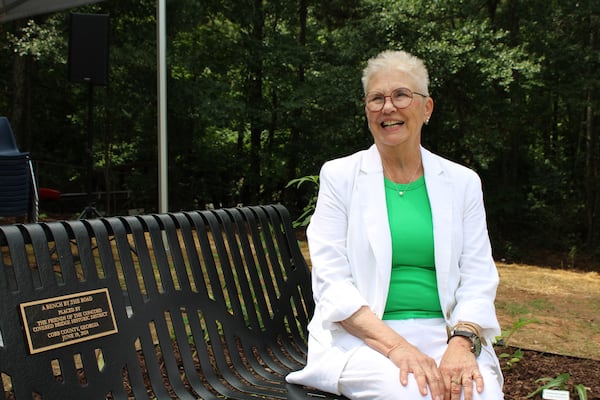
x=90, y=141
x=90, y=210
x=88, y=64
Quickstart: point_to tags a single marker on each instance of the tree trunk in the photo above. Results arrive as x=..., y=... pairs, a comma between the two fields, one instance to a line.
x=592, y=165
x=295, y=131
x=591, y=173
x=251, y=190
x=21, y=102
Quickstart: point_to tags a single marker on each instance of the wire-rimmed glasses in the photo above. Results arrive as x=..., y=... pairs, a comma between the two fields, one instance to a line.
x=401, y=98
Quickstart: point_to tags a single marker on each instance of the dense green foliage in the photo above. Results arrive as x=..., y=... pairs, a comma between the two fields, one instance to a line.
x=261, y=92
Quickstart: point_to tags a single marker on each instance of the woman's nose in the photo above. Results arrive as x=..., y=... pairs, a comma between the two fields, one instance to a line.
x=388, y=105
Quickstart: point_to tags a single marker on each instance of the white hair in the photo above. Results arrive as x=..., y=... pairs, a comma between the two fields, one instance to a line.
x=400, y=61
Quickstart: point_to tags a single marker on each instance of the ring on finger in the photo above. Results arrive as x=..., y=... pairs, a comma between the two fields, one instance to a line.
x=455, y=381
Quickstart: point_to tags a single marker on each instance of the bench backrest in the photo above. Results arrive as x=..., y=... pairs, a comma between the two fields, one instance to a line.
x=207, y=304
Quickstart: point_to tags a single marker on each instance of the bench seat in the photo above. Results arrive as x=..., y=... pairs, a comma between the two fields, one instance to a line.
x=207, y=304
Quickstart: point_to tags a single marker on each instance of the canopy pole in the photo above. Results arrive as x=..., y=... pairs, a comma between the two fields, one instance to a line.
x=163, y=187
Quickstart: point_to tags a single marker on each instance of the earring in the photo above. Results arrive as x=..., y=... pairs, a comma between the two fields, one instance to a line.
x=427, y=121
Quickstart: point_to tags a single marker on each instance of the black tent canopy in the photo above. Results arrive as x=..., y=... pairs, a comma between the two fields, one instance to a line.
x=15, y=9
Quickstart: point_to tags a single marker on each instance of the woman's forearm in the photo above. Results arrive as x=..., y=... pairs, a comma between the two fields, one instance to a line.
x=365, y=325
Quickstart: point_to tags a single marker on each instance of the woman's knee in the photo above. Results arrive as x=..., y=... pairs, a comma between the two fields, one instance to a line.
x=382, y=385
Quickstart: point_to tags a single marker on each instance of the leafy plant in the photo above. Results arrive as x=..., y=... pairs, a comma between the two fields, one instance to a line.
x=512, y=358
x=581, y=391
x=517, y=325
x=309, y=209
x=560, y=382
x=503, y=339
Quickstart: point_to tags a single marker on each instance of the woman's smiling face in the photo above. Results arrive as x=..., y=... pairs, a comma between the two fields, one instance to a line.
x=392, y=126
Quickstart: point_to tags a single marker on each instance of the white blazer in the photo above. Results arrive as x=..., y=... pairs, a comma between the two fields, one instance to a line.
x=350, y=249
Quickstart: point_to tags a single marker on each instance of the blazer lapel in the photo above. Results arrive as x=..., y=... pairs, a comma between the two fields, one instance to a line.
x=439, y=190
x=374, y=211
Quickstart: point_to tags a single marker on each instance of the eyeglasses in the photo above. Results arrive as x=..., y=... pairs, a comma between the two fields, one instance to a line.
x=401, y=98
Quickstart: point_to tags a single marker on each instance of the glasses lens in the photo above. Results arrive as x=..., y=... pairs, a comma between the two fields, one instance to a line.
x=401, y=98
x=375, y=101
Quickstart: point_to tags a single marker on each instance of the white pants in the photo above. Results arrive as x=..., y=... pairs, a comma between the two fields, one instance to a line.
x=370, y=375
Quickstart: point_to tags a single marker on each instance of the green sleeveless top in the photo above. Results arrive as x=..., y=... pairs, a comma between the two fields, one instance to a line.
x=413, y=286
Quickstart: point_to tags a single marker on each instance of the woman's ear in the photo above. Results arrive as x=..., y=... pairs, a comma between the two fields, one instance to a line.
x=428, y=109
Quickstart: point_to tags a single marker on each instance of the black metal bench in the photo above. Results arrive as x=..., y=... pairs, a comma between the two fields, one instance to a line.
x=191, y=305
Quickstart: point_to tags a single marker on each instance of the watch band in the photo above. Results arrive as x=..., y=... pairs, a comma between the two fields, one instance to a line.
x=475, y=340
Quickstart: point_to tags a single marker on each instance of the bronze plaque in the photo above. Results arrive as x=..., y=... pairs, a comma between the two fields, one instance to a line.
x=64, y=320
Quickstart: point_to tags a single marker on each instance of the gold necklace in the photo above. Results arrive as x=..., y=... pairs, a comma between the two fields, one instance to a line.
x=412, y=178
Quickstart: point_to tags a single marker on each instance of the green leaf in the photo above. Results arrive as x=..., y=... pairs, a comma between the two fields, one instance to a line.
x=559, y=382
x=581, y=391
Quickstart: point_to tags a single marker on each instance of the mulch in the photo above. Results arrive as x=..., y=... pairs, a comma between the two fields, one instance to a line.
x=534, y=369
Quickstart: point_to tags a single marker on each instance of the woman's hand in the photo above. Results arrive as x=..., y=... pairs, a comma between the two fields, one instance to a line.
x=410, y=360
x=460, y=370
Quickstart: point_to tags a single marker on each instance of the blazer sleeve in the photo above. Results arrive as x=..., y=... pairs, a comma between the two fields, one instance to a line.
x=479, y=279
x=335, y=293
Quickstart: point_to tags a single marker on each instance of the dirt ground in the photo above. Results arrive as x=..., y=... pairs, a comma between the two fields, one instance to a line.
x=553, y=316
x=563, y=307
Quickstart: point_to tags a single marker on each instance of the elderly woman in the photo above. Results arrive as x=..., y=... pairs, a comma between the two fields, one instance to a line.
x=403, y=275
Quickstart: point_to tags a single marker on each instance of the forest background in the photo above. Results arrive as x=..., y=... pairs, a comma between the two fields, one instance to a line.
x=261, y=92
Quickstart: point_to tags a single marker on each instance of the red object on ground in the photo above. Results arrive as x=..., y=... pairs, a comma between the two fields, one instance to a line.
x=48, y=194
